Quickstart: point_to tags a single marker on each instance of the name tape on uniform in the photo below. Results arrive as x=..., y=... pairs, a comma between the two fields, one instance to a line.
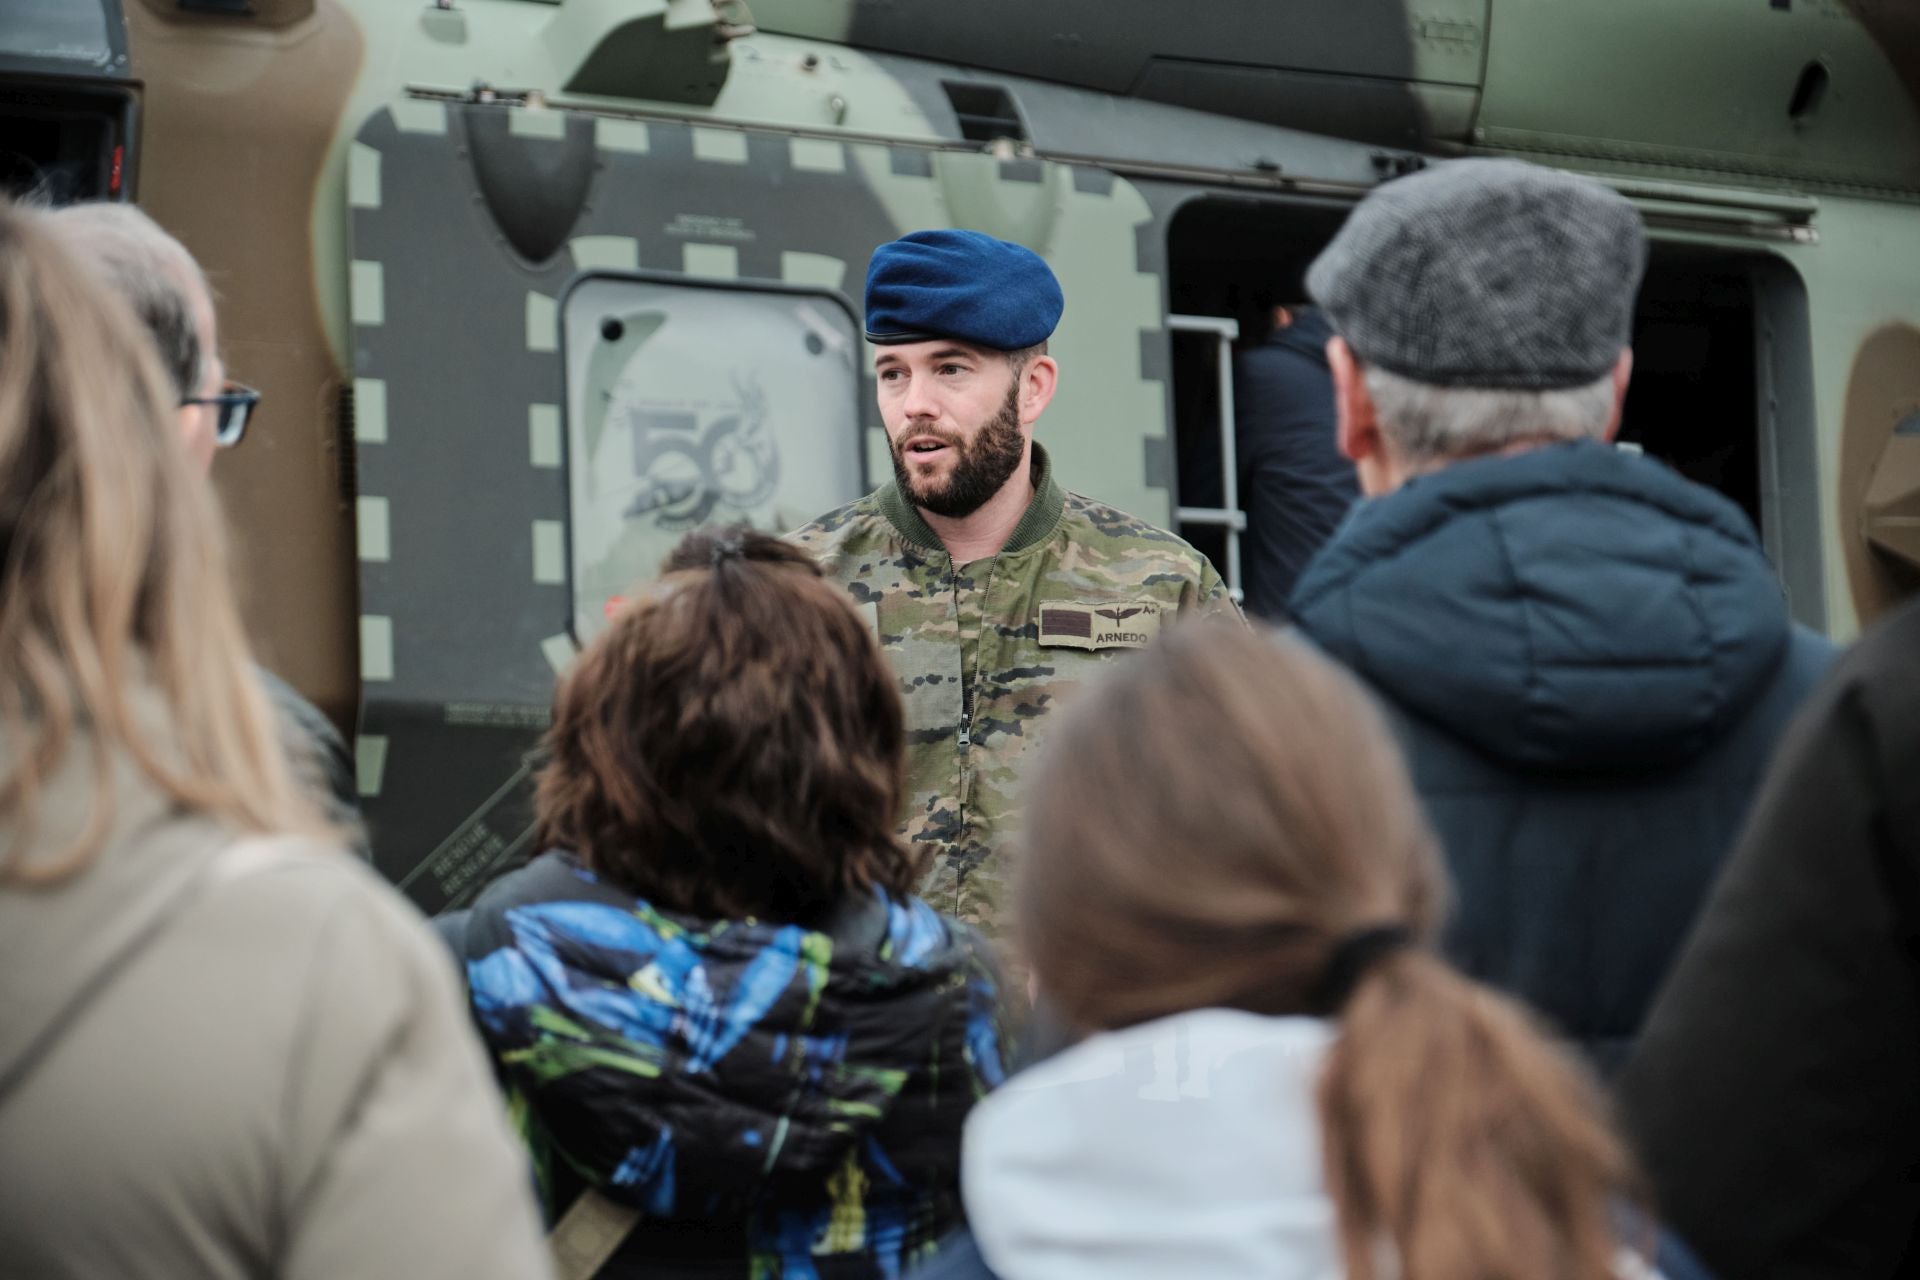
x=1099, y=626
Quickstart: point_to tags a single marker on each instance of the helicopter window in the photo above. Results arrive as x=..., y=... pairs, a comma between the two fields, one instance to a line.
x=693, y=404
x=63, y=145
x=1695, y=401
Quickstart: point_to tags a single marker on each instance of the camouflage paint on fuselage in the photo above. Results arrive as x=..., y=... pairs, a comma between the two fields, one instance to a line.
x=1345, y=69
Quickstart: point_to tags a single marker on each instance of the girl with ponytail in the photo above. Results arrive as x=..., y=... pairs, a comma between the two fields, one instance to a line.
x=1229, y=889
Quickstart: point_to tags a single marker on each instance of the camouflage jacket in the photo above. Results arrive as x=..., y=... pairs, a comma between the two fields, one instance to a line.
x=984, y=651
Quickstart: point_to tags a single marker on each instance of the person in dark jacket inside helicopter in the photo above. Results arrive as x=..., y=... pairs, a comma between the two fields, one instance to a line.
x=1294, y=485
x=714, y=1002
x=1588, y=656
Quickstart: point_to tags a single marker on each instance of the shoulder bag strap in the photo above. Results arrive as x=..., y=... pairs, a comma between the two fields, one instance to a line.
x=589, y=1233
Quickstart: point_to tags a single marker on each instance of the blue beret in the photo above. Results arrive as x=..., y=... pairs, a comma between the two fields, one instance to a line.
x=964, y=285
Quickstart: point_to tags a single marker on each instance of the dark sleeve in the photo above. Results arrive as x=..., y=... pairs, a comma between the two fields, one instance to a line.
x=1266, y=576
x=1294, y=485
x=1773, y=1093
x=1674, y=1261
x=992, y=1010
x=451, y=926
x=1046, y=1034
x=319, y=753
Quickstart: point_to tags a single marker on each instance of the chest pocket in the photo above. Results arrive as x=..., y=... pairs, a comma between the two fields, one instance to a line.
x=1099, y=626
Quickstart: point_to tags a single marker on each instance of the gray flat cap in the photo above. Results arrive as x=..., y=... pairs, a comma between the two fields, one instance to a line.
x=1486, y=273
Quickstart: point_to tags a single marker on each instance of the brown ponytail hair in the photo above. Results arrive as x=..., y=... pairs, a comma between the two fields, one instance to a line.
x=1208, y=825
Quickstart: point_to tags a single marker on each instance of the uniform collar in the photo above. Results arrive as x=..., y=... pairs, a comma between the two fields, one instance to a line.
x=1042, y=516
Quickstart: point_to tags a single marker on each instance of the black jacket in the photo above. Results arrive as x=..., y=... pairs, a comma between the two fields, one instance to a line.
x=1294, y=485
x=319, y=755
x=1775, y=1093
x=1589, y=660
x=777, y=1099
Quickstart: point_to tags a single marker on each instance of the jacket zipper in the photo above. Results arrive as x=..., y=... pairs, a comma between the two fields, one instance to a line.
x=964, y=739
x=966, y=690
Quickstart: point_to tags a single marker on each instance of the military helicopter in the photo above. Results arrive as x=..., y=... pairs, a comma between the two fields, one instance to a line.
x=533, y=285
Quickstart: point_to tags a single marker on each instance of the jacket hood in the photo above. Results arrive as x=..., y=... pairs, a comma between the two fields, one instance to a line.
x=1575, y=607
x=61, y=942
x=1189, y=1146
x=686, y=1065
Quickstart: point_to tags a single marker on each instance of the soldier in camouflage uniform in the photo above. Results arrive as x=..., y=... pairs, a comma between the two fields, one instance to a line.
x=993, y=590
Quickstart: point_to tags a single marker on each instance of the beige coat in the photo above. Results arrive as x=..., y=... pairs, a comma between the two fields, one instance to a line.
x=241, y=1060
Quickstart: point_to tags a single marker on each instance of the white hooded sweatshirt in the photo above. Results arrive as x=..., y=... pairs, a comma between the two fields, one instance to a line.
x=1189, y=1146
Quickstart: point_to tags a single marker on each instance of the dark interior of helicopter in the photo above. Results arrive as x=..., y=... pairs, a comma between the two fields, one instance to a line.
x=62, y=142
x=1693, y=402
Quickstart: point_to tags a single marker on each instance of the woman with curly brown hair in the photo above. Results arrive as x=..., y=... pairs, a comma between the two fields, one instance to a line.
x=713, y=999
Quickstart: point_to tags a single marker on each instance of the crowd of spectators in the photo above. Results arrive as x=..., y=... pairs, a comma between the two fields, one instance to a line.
x=1542, y=902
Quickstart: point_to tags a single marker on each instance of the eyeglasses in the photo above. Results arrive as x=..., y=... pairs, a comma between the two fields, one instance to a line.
x=236, y=404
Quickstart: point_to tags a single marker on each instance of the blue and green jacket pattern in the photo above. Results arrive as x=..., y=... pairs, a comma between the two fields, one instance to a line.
x=780, y=1100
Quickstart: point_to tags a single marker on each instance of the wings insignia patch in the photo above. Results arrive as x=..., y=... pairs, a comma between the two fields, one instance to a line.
x=1086, y=626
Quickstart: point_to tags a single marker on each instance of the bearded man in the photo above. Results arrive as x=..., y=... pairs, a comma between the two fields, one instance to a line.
x=993, y=590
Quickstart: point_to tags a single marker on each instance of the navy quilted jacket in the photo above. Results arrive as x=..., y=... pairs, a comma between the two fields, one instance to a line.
x=1589, y=659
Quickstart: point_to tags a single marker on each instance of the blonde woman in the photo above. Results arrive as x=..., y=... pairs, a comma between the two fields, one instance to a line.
x=226, y=1050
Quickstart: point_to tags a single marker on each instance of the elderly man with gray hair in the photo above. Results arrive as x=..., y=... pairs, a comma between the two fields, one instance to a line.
x=1588, y=656
x=169, y=293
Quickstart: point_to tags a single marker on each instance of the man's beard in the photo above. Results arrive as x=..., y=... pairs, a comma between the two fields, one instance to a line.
x=981, y=466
